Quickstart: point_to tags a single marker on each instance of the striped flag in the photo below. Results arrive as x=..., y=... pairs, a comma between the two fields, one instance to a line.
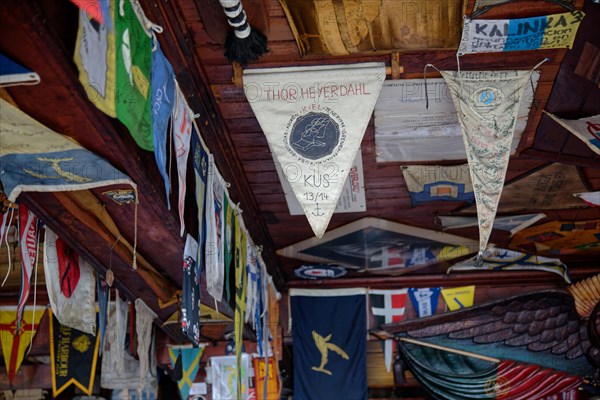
x=388, y=306
x=28, y=247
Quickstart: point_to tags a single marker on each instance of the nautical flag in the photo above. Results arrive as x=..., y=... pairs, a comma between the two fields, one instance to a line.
x=329, y=343
x=512, y=223
x=28, y=250
x=15, y=340
x=96, y=9
x=144, y=318
x=12, y=74
x=214, y=251
x=498, y=35
x=436, y=182
x=591, y=198
x=73, y=357
x=459, y=297
x=190, y=296
x=181, y=120
x=163, y=100
x=388, y=306
x=314, y=119
x=496, y=259
x=585, y=129
x=190, y=363
x=425, y=300
x=71, y=285
x=487, y=103
x=34, y=158
x=95, y=57
x=133, y=66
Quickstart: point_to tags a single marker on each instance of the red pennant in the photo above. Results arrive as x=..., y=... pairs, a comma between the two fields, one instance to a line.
x=68, y=268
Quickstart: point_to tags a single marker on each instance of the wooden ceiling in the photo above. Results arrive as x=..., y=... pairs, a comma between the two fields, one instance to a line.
x=40, y=34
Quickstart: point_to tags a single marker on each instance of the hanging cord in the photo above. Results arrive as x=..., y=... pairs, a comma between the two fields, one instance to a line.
x=425, y=79
x=5, y=233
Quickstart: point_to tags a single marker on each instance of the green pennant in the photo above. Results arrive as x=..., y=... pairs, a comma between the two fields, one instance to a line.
x=133, y=66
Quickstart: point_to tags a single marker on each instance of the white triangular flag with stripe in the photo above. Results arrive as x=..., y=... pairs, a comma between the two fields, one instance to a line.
x=314, y=119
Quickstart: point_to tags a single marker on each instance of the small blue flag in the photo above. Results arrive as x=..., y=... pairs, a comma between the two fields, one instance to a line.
x=163, y=99
x=424, y=300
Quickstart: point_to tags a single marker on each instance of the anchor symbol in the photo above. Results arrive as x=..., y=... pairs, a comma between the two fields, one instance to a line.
x=317, y=212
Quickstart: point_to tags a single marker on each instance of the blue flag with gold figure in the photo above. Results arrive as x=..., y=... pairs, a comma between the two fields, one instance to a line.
x=329, y=335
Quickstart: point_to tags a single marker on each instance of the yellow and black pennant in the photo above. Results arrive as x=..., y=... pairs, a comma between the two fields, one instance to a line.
x=73, y=357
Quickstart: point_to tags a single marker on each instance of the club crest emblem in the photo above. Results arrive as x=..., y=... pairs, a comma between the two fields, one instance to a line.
x=314, y=135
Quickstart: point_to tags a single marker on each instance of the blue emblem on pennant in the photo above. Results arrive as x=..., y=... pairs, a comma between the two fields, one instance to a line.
x=315, y=135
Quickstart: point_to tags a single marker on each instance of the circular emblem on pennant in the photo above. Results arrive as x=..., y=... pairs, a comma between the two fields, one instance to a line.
x=486, y=100
x=314, y=135
x=320, y=271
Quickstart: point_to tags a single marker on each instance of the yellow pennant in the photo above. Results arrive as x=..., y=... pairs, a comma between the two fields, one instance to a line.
x=15, y=343
x=460, y=297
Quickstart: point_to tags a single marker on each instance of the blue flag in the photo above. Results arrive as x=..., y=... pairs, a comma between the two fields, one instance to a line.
x=163, y=99
x=33, y=158
x=424, y=300
x=329, y=336
x=200, y=155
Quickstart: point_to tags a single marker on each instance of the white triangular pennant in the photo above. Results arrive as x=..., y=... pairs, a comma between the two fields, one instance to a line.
x=487, y=103
x=314, y=119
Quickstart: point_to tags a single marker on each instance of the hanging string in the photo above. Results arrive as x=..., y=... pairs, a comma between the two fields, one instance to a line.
x=9, y=223
x=425, y=79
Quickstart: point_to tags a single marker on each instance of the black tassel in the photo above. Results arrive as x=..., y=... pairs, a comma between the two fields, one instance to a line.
x=243, y=44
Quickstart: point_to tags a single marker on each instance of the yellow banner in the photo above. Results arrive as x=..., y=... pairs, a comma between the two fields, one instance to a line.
x=460, y=297
x=14, y=343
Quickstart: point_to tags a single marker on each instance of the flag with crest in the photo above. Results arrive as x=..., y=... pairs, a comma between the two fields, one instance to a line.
x=314, y=119
x=73, y=357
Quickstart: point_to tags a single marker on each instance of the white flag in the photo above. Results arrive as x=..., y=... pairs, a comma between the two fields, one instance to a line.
x=314, y=119
x=71, y=285
x=487, y=103
x=214, y=250
x=182, y=133
x=586, y=129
